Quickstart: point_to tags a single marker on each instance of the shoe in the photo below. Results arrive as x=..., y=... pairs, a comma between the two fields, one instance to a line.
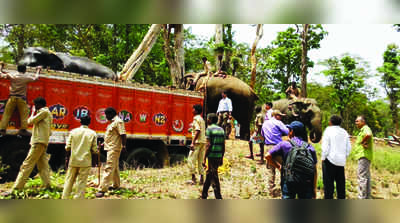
x=24, y=132
x=113, y=188
x=258, y=154
x=99, y=194
x=249, y=157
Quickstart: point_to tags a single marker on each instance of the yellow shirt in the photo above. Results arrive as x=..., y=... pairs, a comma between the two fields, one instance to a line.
x=41, y=126
x=19, y=82
x=112, y=138
x=81, y=141
x=199, y=124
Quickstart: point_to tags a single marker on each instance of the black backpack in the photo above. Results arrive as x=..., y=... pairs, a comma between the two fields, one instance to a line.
x=299, y=166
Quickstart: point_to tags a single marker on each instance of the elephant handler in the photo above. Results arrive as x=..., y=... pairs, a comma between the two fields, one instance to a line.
x=272, y=131
x=224, y=113
x=17, y=98
x=114, y=142
x=41, y=119
x=292, y=91
x=82, y=142
x=197, y=148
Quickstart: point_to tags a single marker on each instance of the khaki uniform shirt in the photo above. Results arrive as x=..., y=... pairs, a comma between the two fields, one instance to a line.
x=112, y=139
x=41, y=126
x=19, y=83
x=81, y=141
x=199, y=124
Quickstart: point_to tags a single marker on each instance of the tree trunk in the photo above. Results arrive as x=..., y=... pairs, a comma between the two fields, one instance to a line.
x=137, y=58
x=228, y=41
x=304, y=42
x=175, y=58
x=218, y=40
x=259, y=34
x=395, y=117
x=21, y=43
x=180, y=53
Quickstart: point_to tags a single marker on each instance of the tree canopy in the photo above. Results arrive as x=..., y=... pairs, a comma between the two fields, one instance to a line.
x=279, y=63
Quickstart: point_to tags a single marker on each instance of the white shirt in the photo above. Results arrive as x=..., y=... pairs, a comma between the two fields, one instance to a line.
x=335, y=145
x=268, y=114
x=225, y=104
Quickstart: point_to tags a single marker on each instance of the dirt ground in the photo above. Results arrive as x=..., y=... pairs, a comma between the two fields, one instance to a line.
x=240, y=178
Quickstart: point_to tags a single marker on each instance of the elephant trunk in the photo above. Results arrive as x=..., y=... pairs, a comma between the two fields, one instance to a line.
x=316, y=128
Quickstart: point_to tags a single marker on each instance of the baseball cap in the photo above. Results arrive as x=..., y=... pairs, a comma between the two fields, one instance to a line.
x=297, y=127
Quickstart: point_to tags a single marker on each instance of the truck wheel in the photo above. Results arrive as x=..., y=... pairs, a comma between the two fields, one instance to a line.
x=141, y=157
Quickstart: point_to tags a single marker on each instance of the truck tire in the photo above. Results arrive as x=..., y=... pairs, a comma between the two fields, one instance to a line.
x=141, y=157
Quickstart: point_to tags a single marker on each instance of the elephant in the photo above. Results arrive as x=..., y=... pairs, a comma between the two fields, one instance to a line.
x=242, y=96
x=304, y=110
x=39, y=56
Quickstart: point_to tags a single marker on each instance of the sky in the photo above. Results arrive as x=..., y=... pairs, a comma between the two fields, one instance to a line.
x=368, y=41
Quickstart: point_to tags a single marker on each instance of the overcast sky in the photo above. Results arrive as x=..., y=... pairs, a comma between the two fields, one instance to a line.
x=367, y=41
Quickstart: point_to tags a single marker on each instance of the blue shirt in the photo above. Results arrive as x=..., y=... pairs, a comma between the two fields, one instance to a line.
x=272, y=130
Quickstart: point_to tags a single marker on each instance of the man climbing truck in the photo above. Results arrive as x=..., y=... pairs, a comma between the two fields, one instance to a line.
x=157, y=119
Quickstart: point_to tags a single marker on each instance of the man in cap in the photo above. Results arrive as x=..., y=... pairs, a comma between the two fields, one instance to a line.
x=298, y=137
x=272, y=131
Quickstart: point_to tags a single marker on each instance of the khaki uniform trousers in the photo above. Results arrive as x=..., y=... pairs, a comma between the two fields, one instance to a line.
x=197, y=156
x=13, y=102
x=111, y=171
x=80, y=175
x=37, y=156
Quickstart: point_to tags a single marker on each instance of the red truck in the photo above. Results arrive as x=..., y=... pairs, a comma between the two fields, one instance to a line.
x=157, y=119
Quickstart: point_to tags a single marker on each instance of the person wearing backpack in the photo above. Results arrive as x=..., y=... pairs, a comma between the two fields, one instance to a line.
x=298, y=169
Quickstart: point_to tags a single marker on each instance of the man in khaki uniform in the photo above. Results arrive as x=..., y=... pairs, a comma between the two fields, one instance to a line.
x=81, y=142
x=114, y=142
x=198, y=146
x=40, y=138
x=19, y=82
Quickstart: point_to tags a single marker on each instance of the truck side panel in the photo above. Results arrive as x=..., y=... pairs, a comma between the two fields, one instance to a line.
x=147, y=113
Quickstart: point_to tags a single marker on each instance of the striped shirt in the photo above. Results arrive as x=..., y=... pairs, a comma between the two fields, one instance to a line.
x=216, y=136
